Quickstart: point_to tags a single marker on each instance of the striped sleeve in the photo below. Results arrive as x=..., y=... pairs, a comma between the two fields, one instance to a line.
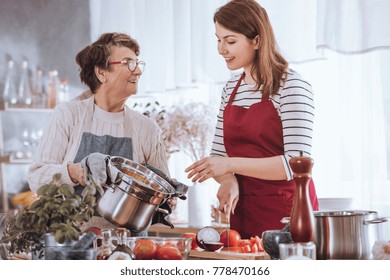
x=297, y=116
x=218, y=147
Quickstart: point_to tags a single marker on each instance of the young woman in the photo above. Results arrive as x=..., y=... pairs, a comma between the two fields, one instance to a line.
x=265, y=118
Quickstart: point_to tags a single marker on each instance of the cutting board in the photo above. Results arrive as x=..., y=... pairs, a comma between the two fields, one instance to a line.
x=226, y=255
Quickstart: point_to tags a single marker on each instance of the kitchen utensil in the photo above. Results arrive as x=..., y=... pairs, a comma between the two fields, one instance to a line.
x=121, y=169
x=122, y=239
x=81, y=250
x=134, y=195
x=271, y=240
x=346, y=234
x=302, y=217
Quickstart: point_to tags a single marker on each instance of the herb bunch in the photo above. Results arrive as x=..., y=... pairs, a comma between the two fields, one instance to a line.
x=58, y=210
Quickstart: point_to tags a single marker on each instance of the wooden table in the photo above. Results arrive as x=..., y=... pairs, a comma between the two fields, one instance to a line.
x=224, y=254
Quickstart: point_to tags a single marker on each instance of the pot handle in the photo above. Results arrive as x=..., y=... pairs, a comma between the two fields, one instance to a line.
x=164, y=211
x=285, y=220
x=377, y=221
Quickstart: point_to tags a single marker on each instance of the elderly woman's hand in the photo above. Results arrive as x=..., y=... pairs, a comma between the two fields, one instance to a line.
x=76, y=173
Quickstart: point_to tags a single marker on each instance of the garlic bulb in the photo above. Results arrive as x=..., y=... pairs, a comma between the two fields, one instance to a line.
x=381, y=250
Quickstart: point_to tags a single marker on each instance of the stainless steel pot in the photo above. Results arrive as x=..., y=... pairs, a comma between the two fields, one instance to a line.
x=134, y=195
x=346, y=234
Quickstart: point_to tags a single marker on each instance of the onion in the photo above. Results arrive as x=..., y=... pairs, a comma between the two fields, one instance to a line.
x=209, y=239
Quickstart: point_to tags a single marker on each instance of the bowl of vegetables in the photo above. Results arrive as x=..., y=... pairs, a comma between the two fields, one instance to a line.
x=160, y=248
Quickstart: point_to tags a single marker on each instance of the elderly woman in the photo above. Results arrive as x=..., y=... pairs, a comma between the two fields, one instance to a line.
x=99, y=122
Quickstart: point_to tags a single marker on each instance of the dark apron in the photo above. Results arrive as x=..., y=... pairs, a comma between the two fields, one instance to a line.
x=257, y=132
x=106, y=144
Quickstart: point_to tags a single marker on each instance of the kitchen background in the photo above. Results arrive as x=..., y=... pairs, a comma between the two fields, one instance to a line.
x=342, y=47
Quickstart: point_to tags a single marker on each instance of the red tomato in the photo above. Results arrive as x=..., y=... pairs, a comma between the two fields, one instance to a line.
x=254, y=248
x=261, y=246
x=234, y=238
x=246, y=249
x=144, y=249
x=167, y=253
x=95, y=230
x=243, y=242
x=191, y=235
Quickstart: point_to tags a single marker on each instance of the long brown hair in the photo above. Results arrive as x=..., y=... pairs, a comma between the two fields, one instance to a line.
x=247, y=17
x=98, y=53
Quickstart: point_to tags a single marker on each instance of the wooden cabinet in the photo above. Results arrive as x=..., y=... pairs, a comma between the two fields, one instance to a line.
x=20, y=132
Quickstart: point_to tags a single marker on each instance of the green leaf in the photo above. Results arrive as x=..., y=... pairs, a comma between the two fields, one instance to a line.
x=66, y=189
x=52, y=190
x=73, y=233
x=56, y=177
x=58, y=210
x=60, y=236
x=42, y=190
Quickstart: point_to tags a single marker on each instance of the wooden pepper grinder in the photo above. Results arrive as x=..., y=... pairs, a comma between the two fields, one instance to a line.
x=302, y=216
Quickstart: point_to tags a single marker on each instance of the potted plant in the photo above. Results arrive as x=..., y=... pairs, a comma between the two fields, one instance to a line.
x=57, y=210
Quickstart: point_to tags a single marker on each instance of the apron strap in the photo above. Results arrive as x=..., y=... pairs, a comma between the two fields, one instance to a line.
x=235, y=89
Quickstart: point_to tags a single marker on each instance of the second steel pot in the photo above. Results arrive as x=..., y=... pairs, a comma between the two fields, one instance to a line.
x=346, y=234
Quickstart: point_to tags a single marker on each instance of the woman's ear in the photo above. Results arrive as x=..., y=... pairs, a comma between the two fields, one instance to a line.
x=100, y=74
x=256, y=42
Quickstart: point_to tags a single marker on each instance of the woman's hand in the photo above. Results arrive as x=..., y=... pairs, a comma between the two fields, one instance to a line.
x=228, y=194
x=76, y=173
x=208, y=167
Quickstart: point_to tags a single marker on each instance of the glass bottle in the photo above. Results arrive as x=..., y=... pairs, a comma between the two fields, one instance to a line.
x=63, y=95
x=53, y=88
x=302, y=216
x=104, y=249
x=24, y=92
x=40, y=93
x=121, y=235
x=10, y=95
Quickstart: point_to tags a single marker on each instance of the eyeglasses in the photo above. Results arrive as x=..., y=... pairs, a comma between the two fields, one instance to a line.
x=131, y=64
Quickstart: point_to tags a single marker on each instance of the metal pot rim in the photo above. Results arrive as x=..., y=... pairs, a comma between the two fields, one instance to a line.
x=140, y=194
x=344, y=213
x=119, y=164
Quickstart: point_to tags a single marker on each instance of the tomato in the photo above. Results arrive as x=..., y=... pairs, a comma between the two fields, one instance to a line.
x=234, y=238
x=167, y=253
x=191, y=235
x=144, y=249
x=246, y=249
x=95, y=230
x=257, y=240
x=243, y=242
x=254, y=248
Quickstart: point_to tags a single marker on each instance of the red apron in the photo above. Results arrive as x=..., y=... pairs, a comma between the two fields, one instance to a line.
x=257, y=132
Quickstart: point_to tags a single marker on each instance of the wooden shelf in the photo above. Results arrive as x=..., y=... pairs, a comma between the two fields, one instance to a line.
x=11, y=159
x=6, y=107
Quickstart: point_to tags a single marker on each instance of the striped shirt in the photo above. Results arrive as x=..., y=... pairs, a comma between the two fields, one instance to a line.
x=294, y=104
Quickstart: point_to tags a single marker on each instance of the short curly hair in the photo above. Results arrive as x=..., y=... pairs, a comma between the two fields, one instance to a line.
x=98, y=53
